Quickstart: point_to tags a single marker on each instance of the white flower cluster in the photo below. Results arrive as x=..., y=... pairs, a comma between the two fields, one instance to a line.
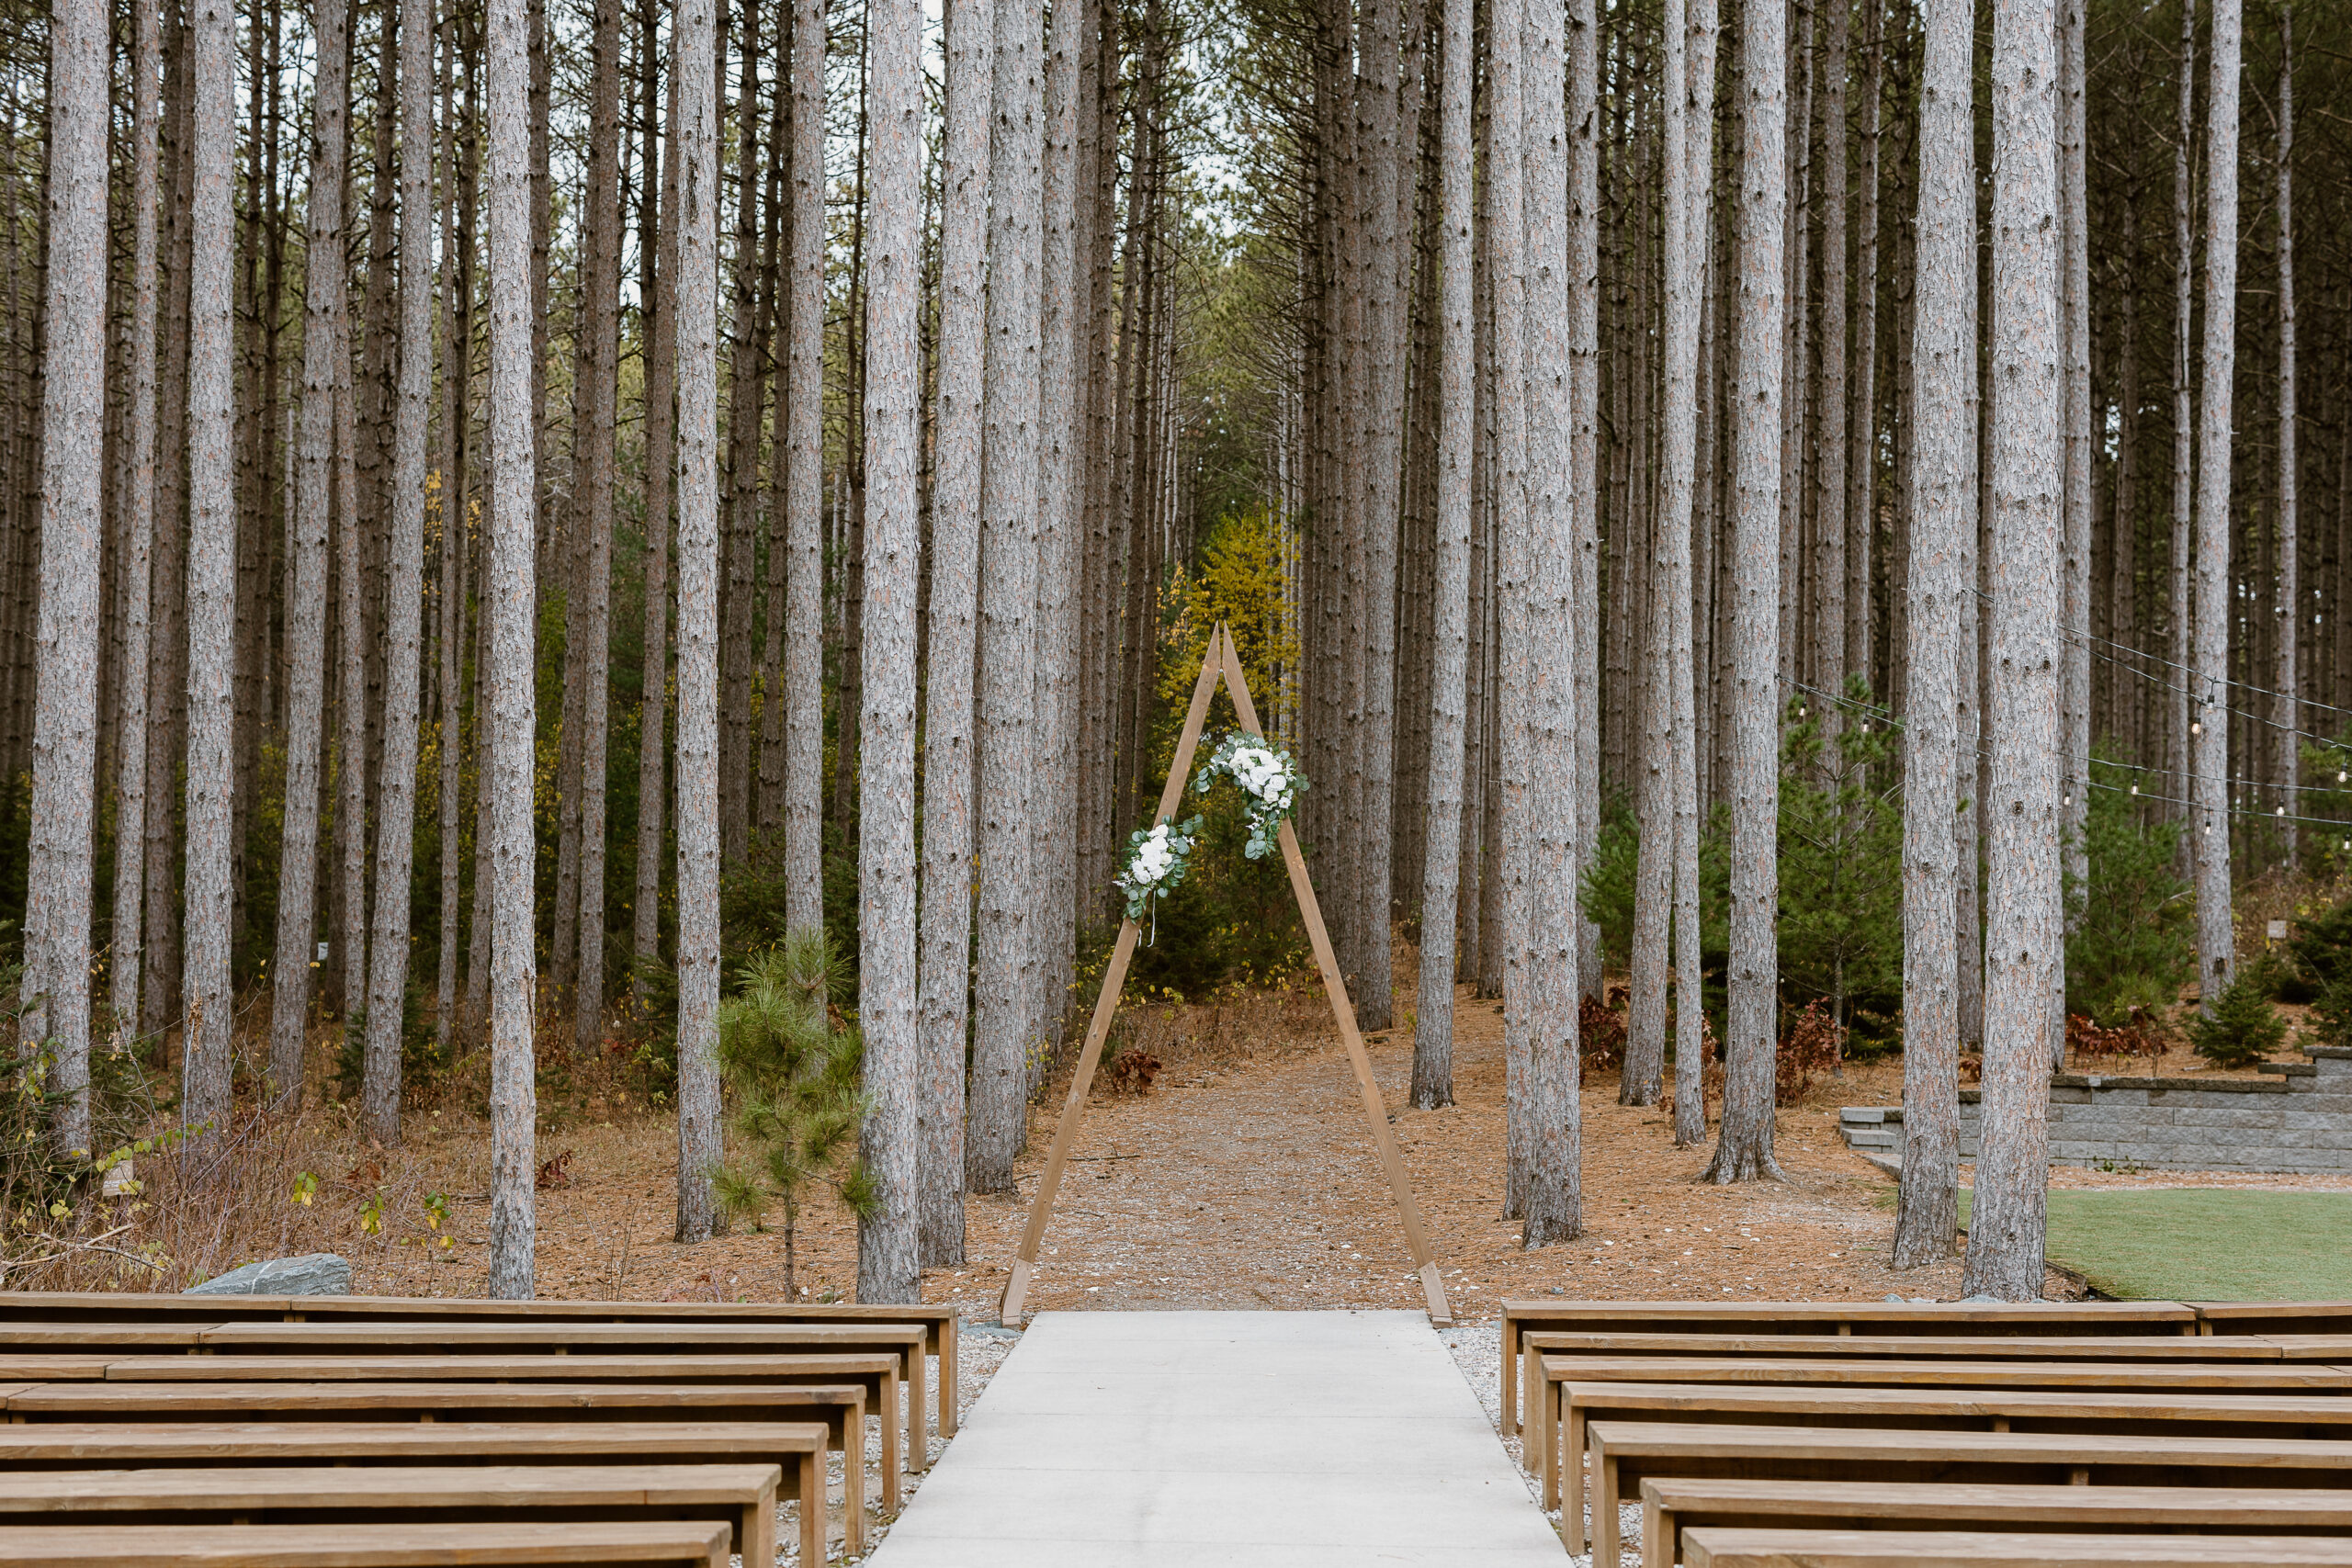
x=1153, y=858
x=1156, y=857
x=1268, y=775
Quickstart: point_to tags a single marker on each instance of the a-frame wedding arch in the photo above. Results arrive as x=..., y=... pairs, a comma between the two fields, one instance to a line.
x=1222, y=662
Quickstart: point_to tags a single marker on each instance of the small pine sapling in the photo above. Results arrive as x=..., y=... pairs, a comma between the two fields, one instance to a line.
x=793, y=1071
x=2242, y=1029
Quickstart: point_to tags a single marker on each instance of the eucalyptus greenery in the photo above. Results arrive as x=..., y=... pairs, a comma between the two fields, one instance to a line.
x=1269, y=779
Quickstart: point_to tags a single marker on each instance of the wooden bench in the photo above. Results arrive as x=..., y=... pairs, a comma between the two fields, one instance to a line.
x=743, y=1495
x=840, y=1407
x=1673, y=1503
x=939, y=1322
x=1883, y=1319
x=1626, y=1453
x=81, y=1446
x=878, y=1375
x=631, y=1545
x=2088, y=1412
x=359, y=1338
x=1939, y=1549
x=1546, y=1455
x=2226, y=1319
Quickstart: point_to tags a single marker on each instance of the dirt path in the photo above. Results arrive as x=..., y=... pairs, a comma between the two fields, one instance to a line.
x=1245, y=1179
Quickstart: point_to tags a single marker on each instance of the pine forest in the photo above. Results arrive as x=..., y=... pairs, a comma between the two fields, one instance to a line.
x=534, y=533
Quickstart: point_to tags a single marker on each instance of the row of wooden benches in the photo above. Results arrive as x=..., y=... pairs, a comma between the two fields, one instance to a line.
x=383, y=1431
x=1763, y=1428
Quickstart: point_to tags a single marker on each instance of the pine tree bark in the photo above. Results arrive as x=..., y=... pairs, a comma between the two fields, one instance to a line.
x=1691, y=145
x=2074, y=558
x=592, y=622
x=1942, y=518
x=1507, y=80
x=512, y=608
x=888, y=1267
x=804, y=412
x=1443, y=866
x=2183, y=437
x=947, y=962
x=65, y=723
x=694, y=225
x=2024, y=926
x=1744, y=1146
x=347, y=906
x=1830, y=458
x=2287, y=676
x=1005, y=987
x=211, y=571
x=306, y=591
x=1584, y=396
x=138, y=521
x=2216, y=946
x=380, y=1090
x=659, y=240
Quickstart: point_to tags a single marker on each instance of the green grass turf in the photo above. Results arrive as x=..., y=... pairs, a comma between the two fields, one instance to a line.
x=2215, y=1244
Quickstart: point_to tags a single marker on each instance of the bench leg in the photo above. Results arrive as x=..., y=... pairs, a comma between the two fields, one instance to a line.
x=918, y=1417
x=1543, y=1445
x=1569, y=1456
x=758, y=1531
x=949, y=1335
x=894, y=1393
x=812, y=1514
x=1605, y=1550
x=1657, y=1536
x=1511, y=1371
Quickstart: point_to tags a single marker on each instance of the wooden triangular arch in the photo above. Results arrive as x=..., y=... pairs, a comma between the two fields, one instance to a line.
x=1223, y=661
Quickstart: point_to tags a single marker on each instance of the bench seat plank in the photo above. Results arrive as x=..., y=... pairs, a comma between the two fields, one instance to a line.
x=904, y=1340
x=366, y=1546
x=940, y=1320
x=1626, y=1452
x=1945, y=1548
x=1673, y=1503
x=799, y=1446
x=743, y=1494
x=2001, y=1408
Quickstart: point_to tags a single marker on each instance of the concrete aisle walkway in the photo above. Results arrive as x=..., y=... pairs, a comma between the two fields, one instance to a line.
x=1244, y=1439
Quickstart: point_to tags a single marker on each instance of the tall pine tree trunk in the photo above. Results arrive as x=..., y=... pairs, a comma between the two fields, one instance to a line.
x=659, y=241
x=138, y=521
x=2216, y=945
x=511, y=605
x=379, y=1093
x=2024, y=928
x=946, y=962
x=211, y=569
x=804, y=461
x=888, y=1267
x=1005, y=988
x=1444, y=867
x=1743, y=1148
x=2075, y=548
x=1943, y=518
x=2287, y=677
x=306, y=591
x=65, y=725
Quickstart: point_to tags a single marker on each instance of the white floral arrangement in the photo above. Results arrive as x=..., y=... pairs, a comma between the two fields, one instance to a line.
x=1270, y=782
x=1156, y=857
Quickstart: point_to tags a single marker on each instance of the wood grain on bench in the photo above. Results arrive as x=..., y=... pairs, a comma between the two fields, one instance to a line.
x=939, y=1321
x=1672, y=1504
x=1626, y=1452
x=799, y=1446
x=2095, y=1414
x=1546, y=1455
x=366, y=1546
x=840, y=1407
x=743, y=1495
x=903, y=1340
x=1883, y=1319
x=1941, y=1549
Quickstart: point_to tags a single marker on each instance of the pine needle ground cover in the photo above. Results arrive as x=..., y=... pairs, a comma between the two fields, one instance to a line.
x=2204, y=1242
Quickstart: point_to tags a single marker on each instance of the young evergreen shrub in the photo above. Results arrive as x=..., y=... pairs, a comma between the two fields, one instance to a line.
x=1841, y=867
x=2131, y=947
x=2242, y=1029
x=792, y=1067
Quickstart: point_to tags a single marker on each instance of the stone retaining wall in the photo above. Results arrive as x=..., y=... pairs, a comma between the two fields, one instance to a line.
x=2296, y=1118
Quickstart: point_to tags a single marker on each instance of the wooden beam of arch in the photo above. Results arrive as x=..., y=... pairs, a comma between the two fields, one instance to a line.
x=1222, y=662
